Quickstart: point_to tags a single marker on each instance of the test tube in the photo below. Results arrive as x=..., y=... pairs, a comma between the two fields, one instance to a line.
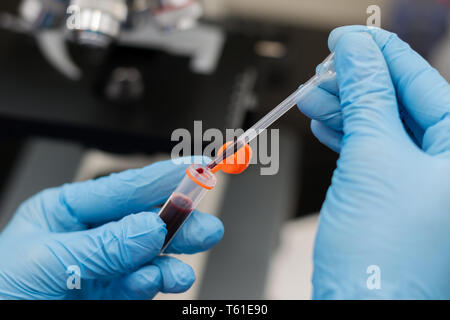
x=197, y=182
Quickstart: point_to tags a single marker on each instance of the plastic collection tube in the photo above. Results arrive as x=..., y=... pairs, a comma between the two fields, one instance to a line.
x=185, y=198
x=200, y=179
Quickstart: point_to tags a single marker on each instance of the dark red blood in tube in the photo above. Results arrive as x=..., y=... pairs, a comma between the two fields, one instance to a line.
x=175, y=213
x=200, y=170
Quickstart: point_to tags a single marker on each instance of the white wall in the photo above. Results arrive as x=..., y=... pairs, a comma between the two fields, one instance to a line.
x=317, y=13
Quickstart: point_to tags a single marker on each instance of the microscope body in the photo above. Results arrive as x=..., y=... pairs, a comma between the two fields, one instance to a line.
x=100, y=22
x=81, y=38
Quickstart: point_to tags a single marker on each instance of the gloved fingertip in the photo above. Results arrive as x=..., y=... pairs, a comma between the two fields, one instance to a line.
x=211, y=240
x=145, y=283
x=320, y=104
x=327, y=136
x=155, y=223
x=177, y=276
x=211, y=231
x=357, y=56
x=436, y=139
x=200, y=233
x=315, y=126
x=142, y=284
x=150, y=275
x=150, y=221
x=145, y=234
x=337, y=33
x=351, y=41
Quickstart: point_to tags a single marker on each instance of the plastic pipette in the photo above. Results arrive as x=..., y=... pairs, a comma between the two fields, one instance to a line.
x=325, y=72
x=199, y=179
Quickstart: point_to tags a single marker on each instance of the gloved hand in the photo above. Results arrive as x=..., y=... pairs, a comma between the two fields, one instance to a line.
x=389, y=202
x=110, y=230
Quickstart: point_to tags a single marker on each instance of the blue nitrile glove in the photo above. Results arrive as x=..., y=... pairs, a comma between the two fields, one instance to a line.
x=110, y=230
x=384, y=226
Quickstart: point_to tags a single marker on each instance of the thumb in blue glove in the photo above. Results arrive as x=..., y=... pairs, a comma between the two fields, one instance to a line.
x=107, y=229
x=389, y=202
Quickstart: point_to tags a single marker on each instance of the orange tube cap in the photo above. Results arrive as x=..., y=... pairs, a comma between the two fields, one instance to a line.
x=236, y=163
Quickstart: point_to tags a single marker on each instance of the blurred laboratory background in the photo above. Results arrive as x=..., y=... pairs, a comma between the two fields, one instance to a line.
x=82, y=101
